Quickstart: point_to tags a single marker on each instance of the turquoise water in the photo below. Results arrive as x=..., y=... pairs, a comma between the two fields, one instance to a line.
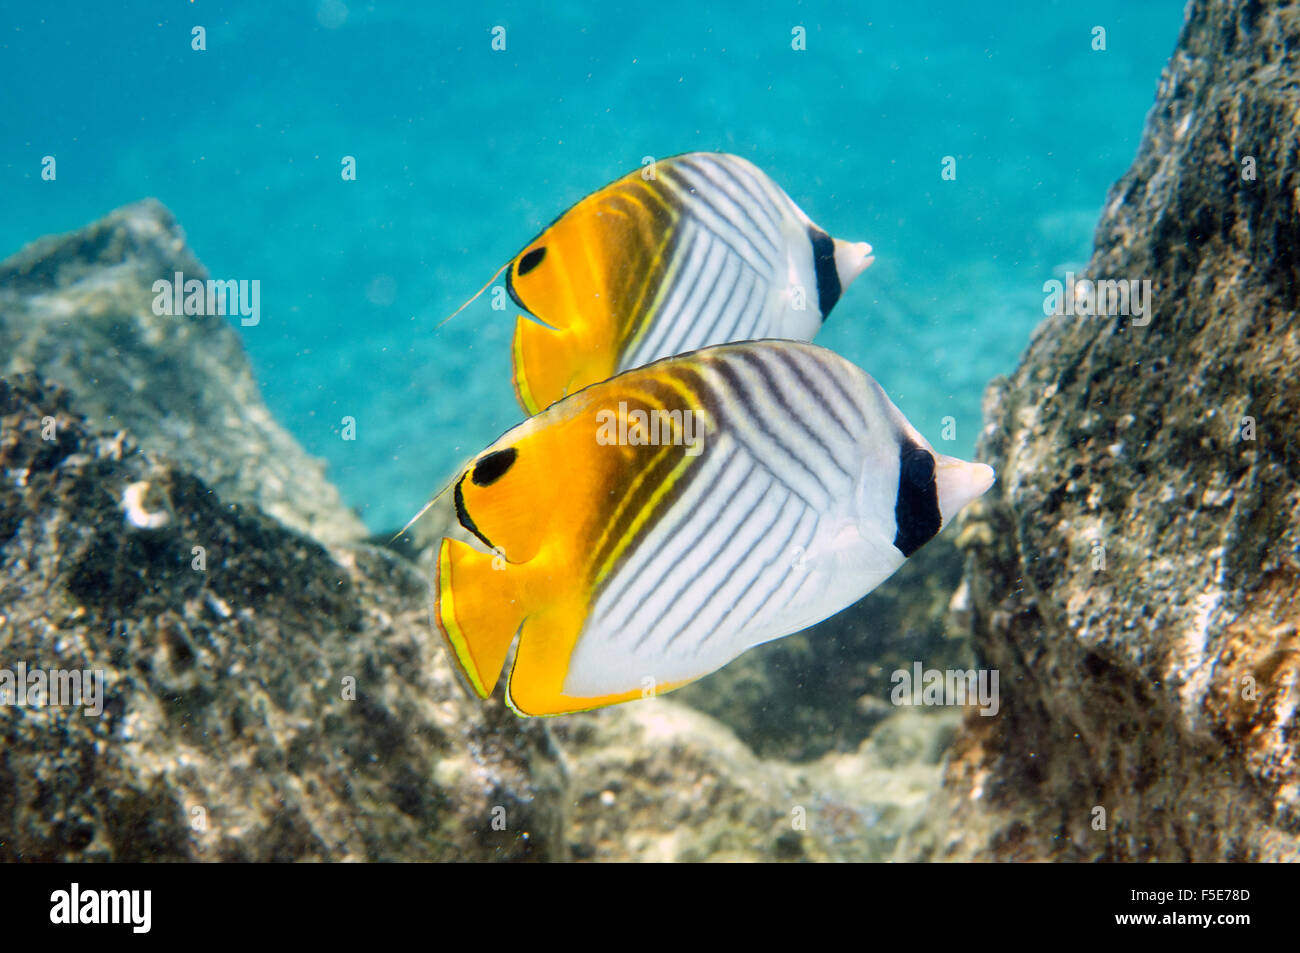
x=464, y=153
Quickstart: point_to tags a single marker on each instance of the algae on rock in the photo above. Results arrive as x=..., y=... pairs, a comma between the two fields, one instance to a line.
x=266, y=698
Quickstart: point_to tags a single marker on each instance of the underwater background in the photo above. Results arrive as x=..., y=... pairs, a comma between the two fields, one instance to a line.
x=464, y=153
x=184, y=519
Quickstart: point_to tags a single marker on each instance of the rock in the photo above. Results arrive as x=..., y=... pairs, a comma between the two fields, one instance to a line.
x=658, y=781
x=1136, y=572
x=225, y=732
x=77, y=310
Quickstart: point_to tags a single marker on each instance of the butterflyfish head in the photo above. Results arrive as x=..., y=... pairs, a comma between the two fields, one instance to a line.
x=932, y=489
x=908, y=490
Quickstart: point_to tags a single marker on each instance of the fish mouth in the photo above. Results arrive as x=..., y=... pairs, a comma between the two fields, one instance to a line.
x=851, y=260
x=960, y=482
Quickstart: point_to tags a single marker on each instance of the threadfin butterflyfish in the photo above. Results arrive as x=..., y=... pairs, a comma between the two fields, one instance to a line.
x=645, y=531
x=699, y=249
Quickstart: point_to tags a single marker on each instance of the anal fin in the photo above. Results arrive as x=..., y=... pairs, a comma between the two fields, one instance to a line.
x=479, y=612
x=546, y=645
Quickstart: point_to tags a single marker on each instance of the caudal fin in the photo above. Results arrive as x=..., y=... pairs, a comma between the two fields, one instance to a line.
x=478, y=612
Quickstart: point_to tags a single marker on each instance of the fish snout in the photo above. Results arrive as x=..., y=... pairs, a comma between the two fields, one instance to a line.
x=851, y=260
x=959, y=482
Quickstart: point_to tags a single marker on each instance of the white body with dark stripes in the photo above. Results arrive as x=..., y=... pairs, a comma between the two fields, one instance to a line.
x=746, y=262
x=812, y=488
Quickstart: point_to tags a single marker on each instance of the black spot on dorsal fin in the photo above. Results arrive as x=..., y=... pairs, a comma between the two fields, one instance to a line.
x=531, y=260
x=493, y=467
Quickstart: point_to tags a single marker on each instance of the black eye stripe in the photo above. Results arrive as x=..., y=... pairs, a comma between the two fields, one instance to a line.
x=918, y=467
x=530, y=261
x=916, y=511
x=493, y=467
x=828, y=278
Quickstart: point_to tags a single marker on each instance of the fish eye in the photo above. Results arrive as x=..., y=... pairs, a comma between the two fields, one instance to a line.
x=918, y=467
x=530, y=261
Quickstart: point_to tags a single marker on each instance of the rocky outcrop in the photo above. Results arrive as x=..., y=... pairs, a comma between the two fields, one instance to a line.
x=264, y=698
x=77, y=309
x=657, y=781
x=1134, y=573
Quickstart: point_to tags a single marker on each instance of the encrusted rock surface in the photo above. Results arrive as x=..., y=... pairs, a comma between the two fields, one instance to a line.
x=1135, y=570
x=77, y=310
x=228, y=730
x=656, y=780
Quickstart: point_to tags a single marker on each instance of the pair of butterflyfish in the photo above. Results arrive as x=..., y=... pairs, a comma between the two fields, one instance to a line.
x=695, y=479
